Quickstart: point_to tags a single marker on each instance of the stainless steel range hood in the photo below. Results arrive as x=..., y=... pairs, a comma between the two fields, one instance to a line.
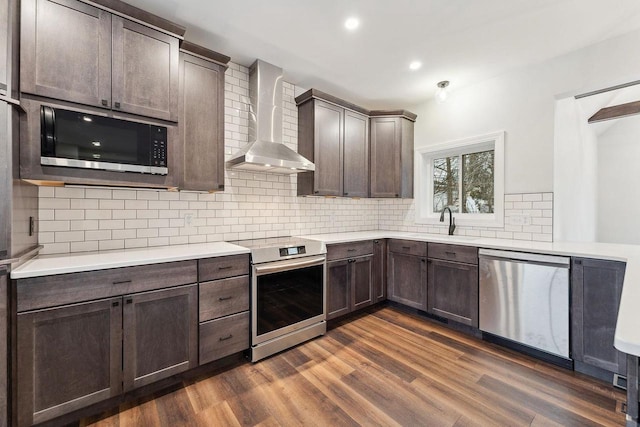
x=265, y=151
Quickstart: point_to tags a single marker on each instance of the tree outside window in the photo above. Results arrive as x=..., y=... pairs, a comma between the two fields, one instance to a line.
x=471, y=175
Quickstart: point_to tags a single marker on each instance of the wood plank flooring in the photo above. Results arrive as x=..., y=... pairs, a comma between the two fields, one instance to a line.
x=384, y=368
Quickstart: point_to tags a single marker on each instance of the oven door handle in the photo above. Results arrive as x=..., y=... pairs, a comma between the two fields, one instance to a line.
x=279, y=266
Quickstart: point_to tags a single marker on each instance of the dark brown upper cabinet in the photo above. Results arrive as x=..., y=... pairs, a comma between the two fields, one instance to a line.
x=392, y=154
x=201, y=119
x=76, y=52
x=357, y=152
x=9, y=48
x=334, y=135
x=4, y=44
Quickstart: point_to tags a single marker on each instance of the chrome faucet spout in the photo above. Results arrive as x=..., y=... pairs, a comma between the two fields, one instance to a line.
x=452, y=220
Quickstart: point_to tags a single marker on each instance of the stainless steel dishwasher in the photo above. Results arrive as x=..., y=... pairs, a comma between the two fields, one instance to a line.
x=524, y=298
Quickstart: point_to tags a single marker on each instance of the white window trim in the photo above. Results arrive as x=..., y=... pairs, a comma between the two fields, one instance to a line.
x=424, y=179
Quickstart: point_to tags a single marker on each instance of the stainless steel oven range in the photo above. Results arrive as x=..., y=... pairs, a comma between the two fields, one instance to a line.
x=288, y=293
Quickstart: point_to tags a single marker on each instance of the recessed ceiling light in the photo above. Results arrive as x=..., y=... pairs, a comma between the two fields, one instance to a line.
x=96, y=143
x=351, y=24
x=96, y=156
x=415, y=65
x=87, y=119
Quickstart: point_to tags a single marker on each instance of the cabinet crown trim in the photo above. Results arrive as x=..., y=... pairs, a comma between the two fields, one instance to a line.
x=141, y=16
x=316, y=94
x=204, y=53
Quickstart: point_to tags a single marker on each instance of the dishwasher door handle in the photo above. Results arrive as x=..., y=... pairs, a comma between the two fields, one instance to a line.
x=540, y=259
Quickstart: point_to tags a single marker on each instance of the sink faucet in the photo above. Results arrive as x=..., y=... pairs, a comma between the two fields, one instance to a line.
x=452, y=220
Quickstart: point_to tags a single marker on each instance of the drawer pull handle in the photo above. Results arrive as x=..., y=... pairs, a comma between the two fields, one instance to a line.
x=115, y=304
x=450, y=253
x=129, y=301
x=351, y=250
x=224, y=298
x=406, y=248
x=226, y=267
x=228, y=337
x=121, y=282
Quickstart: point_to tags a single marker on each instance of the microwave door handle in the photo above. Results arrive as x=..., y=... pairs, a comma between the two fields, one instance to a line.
x=48, y=131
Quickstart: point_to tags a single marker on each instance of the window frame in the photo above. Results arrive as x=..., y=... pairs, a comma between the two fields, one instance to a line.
x=424, y=179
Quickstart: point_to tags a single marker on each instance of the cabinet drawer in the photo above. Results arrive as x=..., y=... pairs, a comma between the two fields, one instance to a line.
x=222, y=267
x=408, y=247
x=223, y=297
x=456, y=253
x=349, y=250
x=222, y=337
x=50, y=291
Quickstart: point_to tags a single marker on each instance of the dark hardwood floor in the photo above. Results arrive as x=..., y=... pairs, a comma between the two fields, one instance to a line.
x=385, y=368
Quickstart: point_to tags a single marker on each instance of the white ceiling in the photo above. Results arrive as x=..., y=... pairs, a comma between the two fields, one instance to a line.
x=464, y=41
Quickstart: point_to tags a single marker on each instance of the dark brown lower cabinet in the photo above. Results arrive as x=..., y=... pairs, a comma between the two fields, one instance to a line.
x=596, y=286
x=72, y=356
x=68, y=357
x=4, y=348
x=360, y=275
x=379, y=270
x=407, y=279
x=338, y=288
x=453, y=291
x=160, y=334
x=349, y=285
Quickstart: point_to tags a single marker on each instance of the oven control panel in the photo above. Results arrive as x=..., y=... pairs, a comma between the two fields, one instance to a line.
x=294, y=250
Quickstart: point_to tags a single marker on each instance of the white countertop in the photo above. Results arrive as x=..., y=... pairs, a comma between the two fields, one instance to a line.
x=47, y=265
x=627, y=336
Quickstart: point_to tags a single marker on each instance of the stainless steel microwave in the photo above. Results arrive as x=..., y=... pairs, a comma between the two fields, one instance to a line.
x=80, y=140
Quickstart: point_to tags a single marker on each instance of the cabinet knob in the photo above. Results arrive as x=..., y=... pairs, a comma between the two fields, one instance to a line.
x=129, y=301
x=346, y=194
x=116, y=105
x=578, y=262
x=376, y=242
x=221, y=187
x=315, y=192
x=115, y=304
x=397, y=195
x=105, y=102
x=423, y=260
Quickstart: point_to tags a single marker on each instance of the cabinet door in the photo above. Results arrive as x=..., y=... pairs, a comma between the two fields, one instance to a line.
x=385, y=156
x=68, y=358
x=407, y=280
x=4, y=348
x=453, y=291
x=356, y=154
x=328, y=140
x=4, y=45
x=338, y=288
x=596, y=288
x=160, y=334
x=145, y=70
x=201, y=124
x=66, y=51
x=361, y=289
x=379, y=274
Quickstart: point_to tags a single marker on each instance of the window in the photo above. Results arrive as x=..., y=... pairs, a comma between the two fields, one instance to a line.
x=467, y=176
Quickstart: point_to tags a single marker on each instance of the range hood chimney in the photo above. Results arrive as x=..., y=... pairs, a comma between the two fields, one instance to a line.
x=265, y=151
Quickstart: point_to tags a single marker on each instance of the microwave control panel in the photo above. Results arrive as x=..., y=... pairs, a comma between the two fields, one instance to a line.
x=158, y=146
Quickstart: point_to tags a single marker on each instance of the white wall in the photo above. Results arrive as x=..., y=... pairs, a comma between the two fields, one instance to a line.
x=522, y=103
x=619, y=182
x=575, y=174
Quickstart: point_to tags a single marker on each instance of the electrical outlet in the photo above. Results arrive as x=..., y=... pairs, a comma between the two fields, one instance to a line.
x=188, y=219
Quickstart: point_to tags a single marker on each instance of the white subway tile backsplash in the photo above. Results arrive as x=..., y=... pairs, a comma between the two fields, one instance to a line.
x=253, y=205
